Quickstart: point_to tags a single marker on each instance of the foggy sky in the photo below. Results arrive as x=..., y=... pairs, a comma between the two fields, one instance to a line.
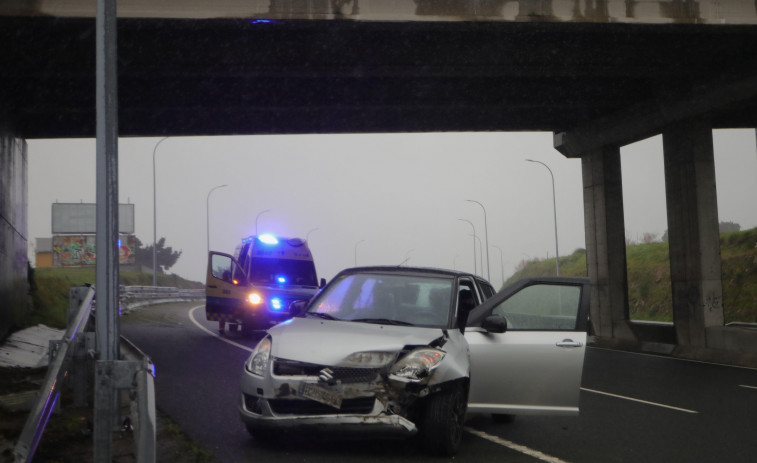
x=377, y=199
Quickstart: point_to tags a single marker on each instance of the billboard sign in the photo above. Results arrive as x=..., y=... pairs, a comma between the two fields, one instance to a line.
x=75, y=218
x=80, y=250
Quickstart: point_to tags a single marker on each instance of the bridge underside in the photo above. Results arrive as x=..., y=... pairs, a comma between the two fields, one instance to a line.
x=234, y=76
x=597, y=86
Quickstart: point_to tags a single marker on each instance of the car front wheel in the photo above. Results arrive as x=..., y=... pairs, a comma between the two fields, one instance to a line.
x=442, y=429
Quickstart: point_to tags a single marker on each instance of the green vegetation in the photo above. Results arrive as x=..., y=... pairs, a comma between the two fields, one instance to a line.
x=649, y=293
x=50, y=287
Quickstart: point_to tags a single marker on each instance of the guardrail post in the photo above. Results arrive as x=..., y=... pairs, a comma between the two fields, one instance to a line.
x=83, y=342
x=144, y=419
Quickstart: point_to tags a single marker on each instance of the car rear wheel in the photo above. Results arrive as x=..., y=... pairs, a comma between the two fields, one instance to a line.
x=442, y=429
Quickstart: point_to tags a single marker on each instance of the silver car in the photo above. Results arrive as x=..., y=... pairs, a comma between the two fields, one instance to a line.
x=384, y=351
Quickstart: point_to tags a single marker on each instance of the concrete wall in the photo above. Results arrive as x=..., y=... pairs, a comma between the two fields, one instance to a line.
x=14, y=287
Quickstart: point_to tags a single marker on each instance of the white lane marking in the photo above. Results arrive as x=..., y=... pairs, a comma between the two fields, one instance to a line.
x=513, y=446
x=748, y=387
x=199, y=325
x=668, y=357
x=670, y=407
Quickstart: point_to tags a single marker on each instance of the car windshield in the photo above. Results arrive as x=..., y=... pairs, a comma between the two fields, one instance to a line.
x=387, y=299
x=283, y=272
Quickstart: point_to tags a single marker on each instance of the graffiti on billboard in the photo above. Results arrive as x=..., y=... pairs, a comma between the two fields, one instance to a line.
x=80, y=250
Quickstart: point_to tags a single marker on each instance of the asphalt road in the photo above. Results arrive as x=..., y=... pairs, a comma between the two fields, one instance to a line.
x=634, y=407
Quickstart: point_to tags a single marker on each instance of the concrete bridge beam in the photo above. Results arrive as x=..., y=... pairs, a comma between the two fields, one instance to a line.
x=693, y=230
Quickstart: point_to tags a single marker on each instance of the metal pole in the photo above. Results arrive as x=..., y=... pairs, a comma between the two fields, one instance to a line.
x=554, y=208
x=486, y=233
x=155, y=219
x=106, y=267
x=207, y=214
x=407, y=257
x=307, y=236
x=501, y=265
x=256, y=220
x=475, y=265
x=356, y=251
x=480, y=253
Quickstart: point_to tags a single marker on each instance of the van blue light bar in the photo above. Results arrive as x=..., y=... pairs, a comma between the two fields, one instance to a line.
x=268, y=239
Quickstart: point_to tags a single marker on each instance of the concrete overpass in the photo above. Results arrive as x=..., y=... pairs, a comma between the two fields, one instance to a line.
x=598, y=74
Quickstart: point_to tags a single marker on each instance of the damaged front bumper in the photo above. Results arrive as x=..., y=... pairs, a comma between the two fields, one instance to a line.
x=284, y=403
x=258, y=413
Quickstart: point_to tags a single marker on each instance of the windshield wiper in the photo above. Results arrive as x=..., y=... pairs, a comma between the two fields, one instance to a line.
x=383, y=321
x=324, y=316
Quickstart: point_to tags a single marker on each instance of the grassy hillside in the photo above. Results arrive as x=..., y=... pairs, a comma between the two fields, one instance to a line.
x=50, y=287
x=649, y=293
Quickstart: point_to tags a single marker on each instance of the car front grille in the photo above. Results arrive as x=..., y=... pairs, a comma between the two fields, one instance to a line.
x=342, y=374
x=359, y=406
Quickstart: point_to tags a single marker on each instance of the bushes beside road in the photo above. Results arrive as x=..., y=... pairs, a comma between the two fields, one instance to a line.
x=50, y=286
x=649, y=293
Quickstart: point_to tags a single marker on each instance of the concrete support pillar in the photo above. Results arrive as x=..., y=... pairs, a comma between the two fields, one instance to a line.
x=693, y=231
x=606, y=243
x=14, y=287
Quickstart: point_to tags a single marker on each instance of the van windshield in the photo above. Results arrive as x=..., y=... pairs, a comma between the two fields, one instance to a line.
x=283, y=272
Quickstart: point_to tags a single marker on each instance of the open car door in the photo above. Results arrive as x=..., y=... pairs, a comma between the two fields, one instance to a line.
x=533, y=366
x=225, y=290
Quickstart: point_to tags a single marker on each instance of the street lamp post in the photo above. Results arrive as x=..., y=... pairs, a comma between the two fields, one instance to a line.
x=501, y=264
x=256, y=219
x=356, y=251
x=207, y=212
x=309, y=232
x=475, y=265
x=155, y=218
x=486, y=234
x=480, y=253
x=407, y=258
x=554, y=208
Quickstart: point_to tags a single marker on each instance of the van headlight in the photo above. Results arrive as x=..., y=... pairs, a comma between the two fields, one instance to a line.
x=417, y=365
x=258, y=362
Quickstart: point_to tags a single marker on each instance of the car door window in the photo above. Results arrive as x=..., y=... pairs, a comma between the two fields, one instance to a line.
x=222, y=267
x=487, y=290
x=541, y=307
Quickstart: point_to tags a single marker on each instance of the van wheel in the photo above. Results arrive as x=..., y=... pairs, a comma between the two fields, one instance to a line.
x=442, y=430
x=248, y=325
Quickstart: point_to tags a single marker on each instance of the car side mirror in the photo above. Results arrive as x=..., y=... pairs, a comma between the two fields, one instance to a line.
x=297, y=308
x=494, y=324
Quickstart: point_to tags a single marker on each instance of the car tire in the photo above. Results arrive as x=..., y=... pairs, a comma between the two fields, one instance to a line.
x=502, y=418
x=264, y=436
x=442, y=430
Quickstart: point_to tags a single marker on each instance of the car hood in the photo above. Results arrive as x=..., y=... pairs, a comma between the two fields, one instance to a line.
x=297, y=291
x=326, y=342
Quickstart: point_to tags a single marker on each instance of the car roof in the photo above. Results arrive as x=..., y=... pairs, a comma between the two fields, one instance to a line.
x=409, y=270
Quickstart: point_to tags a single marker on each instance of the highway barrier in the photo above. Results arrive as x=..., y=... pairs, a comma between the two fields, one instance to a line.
x=72, y=356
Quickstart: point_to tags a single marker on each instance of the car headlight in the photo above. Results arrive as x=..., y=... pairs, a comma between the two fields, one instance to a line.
x=258, y=362
x=417, y=365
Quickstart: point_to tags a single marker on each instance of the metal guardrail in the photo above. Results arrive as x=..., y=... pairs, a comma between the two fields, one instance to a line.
x=57, y=369
x=132, y=297
x=77, y=347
